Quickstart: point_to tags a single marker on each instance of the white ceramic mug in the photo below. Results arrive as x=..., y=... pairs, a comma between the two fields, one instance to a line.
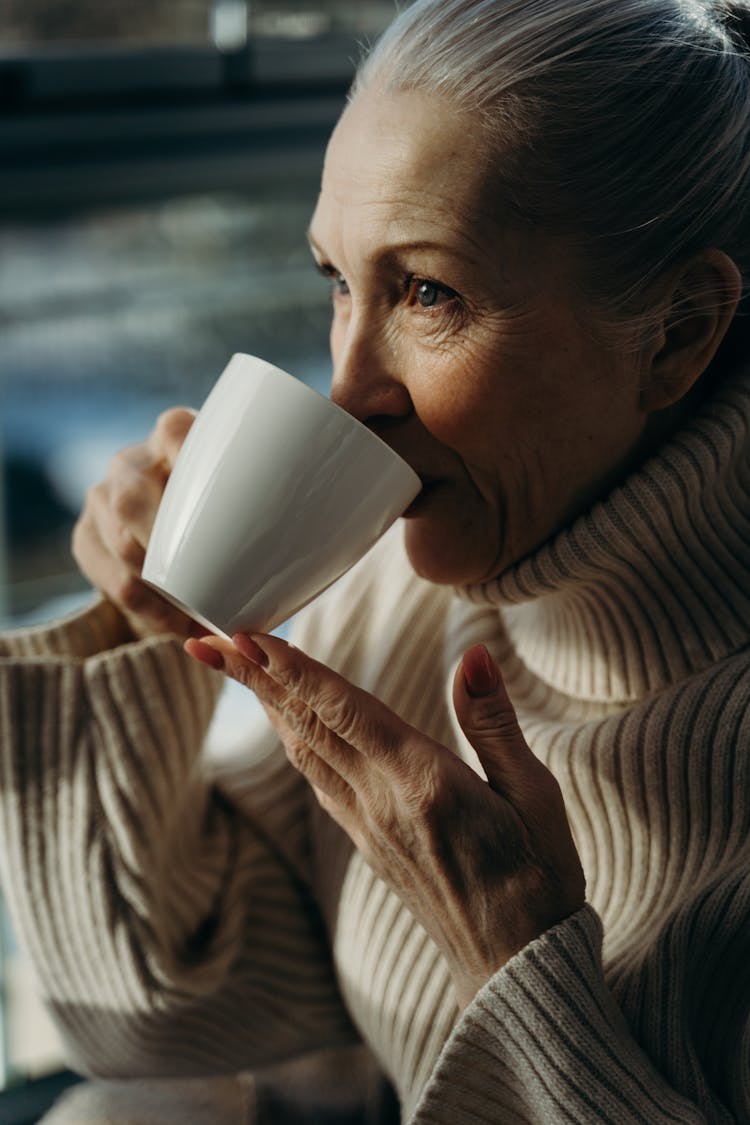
x=275, y=493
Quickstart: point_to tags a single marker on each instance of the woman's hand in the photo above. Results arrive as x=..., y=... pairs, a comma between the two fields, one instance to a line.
x=111, y=535
x=485, y=868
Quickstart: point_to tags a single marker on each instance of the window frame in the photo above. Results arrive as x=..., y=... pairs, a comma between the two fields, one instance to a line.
x=83, y=126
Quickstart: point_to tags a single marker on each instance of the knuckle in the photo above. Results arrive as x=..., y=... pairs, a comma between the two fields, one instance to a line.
x=128, y=549
x=242, y=674
x=290, y=676
x=298, y=753
x=121, y=463
x=307, y=724
x=342, y=714
x=124, y=502
x=493, y=717
x=129, y=592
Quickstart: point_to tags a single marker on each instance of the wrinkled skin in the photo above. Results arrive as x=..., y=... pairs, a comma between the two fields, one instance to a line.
x=484, y=867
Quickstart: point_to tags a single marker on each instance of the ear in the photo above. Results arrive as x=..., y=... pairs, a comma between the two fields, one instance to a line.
x=702, y=299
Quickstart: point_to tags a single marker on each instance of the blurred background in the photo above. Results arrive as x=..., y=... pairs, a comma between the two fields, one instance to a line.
x=160, y=163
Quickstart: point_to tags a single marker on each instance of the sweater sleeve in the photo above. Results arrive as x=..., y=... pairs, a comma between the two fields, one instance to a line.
x=170, y=931
x=545, y=1040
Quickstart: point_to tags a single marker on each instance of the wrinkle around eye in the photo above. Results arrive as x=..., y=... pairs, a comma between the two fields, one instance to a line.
x=441, y=319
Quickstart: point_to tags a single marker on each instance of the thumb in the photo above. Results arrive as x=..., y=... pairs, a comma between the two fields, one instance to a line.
x=488, y=719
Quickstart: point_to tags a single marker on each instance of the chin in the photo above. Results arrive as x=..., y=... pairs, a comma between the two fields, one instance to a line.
x=441, y=555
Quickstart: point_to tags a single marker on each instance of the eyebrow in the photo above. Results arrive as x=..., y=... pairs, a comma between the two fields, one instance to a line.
x=399, y=248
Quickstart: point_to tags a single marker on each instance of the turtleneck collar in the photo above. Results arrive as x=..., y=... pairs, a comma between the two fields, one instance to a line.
x=651, y=584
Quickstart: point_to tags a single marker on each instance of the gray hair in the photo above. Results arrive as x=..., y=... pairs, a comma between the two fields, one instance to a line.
x=622, y=123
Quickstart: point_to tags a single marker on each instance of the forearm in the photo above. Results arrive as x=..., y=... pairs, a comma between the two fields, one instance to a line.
x=545, y=1040
x=150, y=905
x=90, y=776
x=99, y=626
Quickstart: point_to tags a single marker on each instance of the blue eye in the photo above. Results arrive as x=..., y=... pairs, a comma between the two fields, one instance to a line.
x=430, y=294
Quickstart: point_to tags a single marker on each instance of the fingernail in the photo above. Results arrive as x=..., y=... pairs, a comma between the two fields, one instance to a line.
x=250, y=649
x=480, y=671
x=205, y=654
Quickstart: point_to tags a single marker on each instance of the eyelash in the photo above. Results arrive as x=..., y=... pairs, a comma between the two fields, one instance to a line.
x=331, y=274
x=412, y=285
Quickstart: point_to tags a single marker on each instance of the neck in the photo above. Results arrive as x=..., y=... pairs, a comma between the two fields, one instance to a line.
x=651, y=584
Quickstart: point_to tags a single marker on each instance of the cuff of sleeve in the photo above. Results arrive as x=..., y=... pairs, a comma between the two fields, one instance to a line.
x=78, y=635
x=545, y=1041
x=69, y=688
x=104, y=803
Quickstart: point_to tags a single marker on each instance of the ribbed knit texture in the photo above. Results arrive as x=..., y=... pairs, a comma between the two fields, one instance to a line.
x=189, y=925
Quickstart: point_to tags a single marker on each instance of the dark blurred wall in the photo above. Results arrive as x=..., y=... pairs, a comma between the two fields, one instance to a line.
x=34, y=21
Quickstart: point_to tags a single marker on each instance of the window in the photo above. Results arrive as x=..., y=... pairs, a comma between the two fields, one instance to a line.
x=160, y=165
x=228, y=23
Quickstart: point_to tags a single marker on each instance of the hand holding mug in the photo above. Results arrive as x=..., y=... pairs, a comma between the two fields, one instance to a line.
x=276, y=493
x=112, y=533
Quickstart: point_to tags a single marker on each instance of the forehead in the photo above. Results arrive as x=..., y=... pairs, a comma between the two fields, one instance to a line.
x=406, y=159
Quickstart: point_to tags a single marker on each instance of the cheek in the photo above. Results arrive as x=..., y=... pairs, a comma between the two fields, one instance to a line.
x=335, y=337
x=458, y=399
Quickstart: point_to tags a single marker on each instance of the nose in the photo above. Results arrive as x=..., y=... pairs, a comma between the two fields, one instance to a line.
x=366, y=379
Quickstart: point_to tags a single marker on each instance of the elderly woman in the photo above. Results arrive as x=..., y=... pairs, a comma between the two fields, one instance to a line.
x=535, y=218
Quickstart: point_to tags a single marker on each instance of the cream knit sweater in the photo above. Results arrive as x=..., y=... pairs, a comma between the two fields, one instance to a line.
x=184, y=924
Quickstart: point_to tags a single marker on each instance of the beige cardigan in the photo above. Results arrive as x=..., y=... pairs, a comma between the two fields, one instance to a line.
x=184, y=924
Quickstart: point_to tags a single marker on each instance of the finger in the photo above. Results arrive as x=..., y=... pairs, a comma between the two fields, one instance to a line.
x=489, y=721
x=168, y=435
x=334, y=795
x=145, y=611
x=108, y=529
x=126, y=503
x=333, y=792
x=299, y=720
x=103, y=567
x=326, y=765
x=346, y=711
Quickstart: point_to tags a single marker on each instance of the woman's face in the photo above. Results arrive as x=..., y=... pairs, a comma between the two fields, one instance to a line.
x=461, y=340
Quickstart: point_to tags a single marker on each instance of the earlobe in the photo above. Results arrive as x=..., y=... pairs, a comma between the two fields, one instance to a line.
x=703, y=300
